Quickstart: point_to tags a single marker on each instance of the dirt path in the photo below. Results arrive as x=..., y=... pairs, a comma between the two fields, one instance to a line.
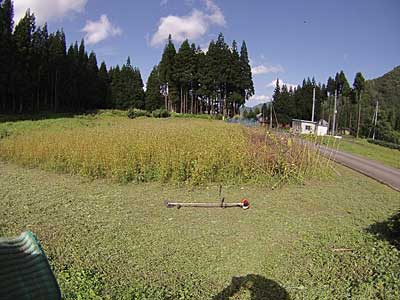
x=375, y=170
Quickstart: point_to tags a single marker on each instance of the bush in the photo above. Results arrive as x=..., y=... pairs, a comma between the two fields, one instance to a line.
x=391, y=136
x=135, y=113
x=160, y=113
x=384, y=144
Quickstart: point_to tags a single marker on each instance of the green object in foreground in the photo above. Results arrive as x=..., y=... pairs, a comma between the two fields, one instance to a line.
x=24, y=270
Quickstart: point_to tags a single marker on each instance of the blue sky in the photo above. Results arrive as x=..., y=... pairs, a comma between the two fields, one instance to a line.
x=286, y=39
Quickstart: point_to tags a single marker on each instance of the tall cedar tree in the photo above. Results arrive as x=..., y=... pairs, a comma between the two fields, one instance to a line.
x=184, y=70
x=247, y=80
x=7, y=56
x=154, y=98
x=127, y=87
x=167, y=74
x=359, y=87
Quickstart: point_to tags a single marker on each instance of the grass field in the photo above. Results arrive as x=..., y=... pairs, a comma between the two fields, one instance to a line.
x=112, y=241
x=361, y=147
x=176, y=150
x=319, y=238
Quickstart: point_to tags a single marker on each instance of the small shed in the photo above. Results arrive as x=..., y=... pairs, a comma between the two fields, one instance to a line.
x=310, y=127
x=303, y=126
x=322, y=127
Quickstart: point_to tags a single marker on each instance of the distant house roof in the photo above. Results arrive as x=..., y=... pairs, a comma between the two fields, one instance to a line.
x=304, y=121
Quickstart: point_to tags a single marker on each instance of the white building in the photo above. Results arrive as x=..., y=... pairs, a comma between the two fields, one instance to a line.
x=322, y=127
x=310, y=127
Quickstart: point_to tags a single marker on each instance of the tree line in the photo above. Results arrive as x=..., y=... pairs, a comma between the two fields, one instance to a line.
x=354, y=105
x=39, y=73
x=216, y=82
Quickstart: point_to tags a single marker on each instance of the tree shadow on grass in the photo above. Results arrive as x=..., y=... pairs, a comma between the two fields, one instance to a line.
x=260, y=288
x=388, y=230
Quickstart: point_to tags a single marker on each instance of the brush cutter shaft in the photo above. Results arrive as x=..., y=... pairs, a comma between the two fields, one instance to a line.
x=205, y=205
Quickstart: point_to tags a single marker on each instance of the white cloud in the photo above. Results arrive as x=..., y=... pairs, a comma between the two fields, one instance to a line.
x=46, y=10
x=163, y=2
x=263, y=69
x=216, y=16
x=281, y=83
x=257, y=99
x=97, y=31
x=191, y=26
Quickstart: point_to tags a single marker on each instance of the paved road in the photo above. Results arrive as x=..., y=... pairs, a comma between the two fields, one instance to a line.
x=377, y=171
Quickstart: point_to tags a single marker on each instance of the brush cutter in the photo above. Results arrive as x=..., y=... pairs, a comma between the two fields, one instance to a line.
x=245, y=204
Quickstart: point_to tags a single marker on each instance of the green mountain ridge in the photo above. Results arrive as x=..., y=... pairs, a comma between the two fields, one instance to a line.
x=386, y=89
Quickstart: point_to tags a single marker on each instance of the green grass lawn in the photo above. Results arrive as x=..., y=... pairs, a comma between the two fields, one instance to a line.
x=118, y=241
x=20, y=124
x=112, y=241
x=361, y=147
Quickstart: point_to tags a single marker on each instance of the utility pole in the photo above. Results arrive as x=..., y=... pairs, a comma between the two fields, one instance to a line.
x=313, y=105
x=334, y=114
x=270, y=115
x=375, y=118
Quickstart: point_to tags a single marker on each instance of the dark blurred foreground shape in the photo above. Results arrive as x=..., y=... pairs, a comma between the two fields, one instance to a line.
x=25, y=273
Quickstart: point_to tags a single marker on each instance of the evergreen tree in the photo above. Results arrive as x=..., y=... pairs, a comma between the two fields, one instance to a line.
x=359, y=87
x=184, y=71
x=72, y=75
x=204, y=82
x=57, y=63
x=154, y=98
x=167, y=74
x=127, y=87
x=40, y=66
x=104, y=87
x=23, y=76
x=331, y=86
x=82, y=74
x=93, y=84
x=7, y=56
x=221, y=67
x=235, y=99
x=247, y=79
x=139, y=94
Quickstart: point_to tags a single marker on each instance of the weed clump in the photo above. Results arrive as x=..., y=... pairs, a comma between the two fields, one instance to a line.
x=136, y=113
x=161, y=113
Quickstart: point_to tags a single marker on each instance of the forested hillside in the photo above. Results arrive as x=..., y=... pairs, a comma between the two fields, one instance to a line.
x=355, y=104
x=386, y=89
